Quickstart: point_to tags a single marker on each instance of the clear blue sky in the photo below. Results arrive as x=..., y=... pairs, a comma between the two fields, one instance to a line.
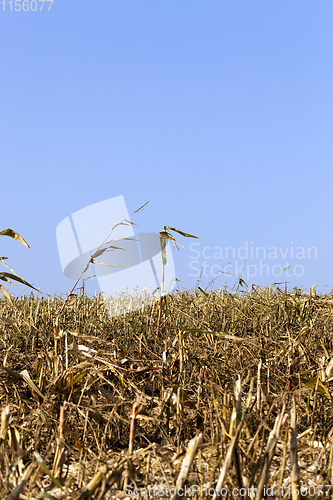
x=218, y=113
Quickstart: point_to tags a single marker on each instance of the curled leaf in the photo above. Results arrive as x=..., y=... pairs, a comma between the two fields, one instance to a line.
x=166, y=228
x=15, y=236
x=9, y=276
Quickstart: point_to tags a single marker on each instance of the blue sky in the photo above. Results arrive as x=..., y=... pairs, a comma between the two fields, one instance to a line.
x=218, y=113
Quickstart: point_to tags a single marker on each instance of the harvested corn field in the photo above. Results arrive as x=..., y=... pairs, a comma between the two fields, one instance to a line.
x=216, y=395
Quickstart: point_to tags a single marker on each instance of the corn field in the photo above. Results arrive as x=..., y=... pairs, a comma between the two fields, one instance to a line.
x=199, y=395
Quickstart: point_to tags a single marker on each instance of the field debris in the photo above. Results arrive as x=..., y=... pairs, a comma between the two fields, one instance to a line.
x=197, y=395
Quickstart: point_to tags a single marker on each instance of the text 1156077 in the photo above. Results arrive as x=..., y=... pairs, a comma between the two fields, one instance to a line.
x=25, y=5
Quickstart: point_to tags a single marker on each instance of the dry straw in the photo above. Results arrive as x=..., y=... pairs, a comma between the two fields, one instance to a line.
x=202, y=390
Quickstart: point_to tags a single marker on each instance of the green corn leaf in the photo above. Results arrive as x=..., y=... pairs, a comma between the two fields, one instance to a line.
x=45, y=468
x=44, y=494
x=242, y=282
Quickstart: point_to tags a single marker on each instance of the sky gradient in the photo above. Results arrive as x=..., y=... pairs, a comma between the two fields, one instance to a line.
x=218, y=113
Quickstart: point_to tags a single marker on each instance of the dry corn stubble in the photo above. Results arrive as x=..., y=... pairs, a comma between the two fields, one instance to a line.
x=101, y=406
